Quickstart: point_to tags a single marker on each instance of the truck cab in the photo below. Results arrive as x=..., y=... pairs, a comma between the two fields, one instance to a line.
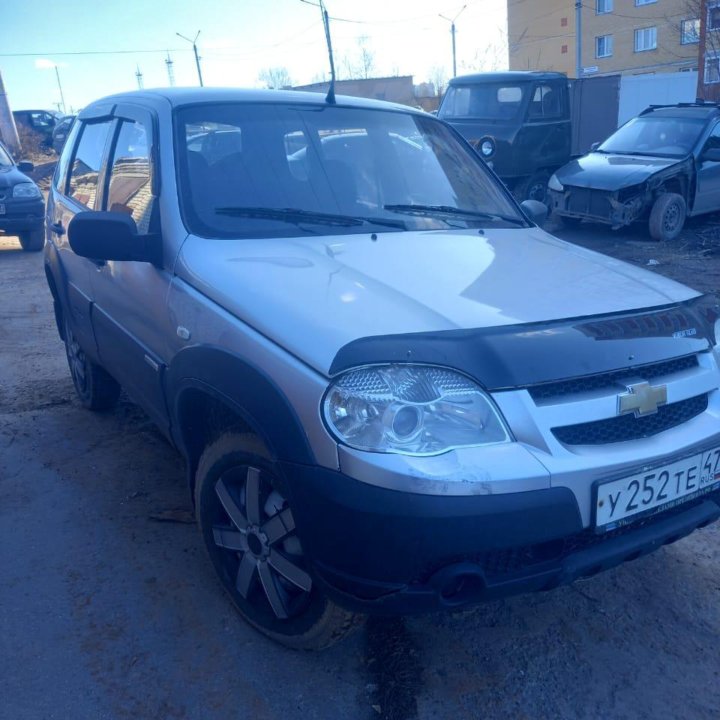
x=519, y=122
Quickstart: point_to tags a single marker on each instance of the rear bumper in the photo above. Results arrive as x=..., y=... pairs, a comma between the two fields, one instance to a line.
x=386, y=552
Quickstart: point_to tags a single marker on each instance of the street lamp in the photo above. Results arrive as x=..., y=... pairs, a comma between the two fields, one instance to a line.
x=452, y=32
x=197, y=57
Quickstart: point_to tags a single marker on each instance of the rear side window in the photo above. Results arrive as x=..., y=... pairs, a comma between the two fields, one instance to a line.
x=87, y=162
x=130, y=188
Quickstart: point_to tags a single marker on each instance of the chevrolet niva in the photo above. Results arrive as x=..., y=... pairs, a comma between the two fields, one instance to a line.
x=394, y=392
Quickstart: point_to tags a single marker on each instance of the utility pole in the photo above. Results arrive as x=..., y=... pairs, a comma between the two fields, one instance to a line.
x=197, y=57
x=452, y=32
x=62, y=98
x=8, y=131
x=170, y=71
x=578, y=39
x=139, y=77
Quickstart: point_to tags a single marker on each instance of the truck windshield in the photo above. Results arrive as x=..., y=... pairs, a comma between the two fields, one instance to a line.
x=492, y=101
x=272, y=170
x=661, y=136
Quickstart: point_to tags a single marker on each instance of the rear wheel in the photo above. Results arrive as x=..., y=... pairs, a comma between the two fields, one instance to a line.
x=667, y=216
x=32, y=241
x=96, y=389
x=249, y=532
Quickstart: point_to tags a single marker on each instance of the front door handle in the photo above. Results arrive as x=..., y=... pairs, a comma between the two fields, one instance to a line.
x=58, y=228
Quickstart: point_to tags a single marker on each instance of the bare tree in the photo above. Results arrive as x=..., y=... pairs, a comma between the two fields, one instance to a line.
x=275, y=78
x=366, y=59
x=438, y=77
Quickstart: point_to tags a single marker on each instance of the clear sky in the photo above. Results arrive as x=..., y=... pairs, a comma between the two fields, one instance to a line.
x=238, y=39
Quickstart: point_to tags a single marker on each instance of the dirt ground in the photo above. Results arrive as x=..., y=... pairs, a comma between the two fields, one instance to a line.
x=109, y=608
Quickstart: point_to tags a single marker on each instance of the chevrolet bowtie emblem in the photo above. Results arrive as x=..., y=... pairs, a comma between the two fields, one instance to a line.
x=642, y=399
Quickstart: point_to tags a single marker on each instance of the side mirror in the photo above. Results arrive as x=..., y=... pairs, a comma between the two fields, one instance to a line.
x=594, y=146
x=711, y=154
x=535, y=211
x=111, y=236
x=25, y=166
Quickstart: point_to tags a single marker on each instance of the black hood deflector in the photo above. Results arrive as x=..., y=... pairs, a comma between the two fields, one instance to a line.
x=515, y=356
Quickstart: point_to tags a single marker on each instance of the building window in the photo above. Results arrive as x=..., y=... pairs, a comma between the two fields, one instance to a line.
x=690, y=31
x=644, y=2
x=646, y=39
x=712, y=69
x=713, y=16
x=603, y=6
x=603, y=46
x=563, y=50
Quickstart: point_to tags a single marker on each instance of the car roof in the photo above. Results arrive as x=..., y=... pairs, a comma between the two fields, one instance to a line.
x=513, y=76
x=179, y=97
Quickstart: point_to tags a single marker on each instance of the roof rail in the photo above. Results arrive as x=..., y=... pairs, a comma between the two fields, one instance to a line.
x=698, y=103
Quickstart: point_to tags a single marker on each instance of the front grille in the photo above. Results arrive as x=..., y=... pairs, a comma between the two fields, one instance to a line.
x=610, y=381
x=589, y=202
x=629, y=427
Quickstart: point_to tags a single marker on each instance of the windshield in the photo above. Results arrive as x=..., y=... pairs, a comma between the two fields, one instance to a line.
x=664, y=136
x=266, y=170
x=488, y=102
x=5, y=160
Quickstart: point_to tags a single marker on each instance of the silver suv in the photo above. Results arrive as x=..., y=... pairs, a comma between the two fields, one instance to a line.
x=394, y=392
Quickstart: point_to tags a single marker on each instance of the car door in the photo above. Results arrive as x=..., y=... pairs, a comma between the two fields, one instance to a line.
x=707, y=192
x=129, y=313
x=74, y=190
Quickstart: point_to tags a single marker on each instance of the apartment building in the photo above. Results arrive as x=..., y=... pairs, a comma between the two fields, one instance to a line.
x=618, y=36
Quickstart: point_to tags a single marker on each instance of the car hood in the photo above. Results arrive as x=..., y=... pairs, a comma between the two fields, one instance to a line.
x=611, y=172
x=10, y=176
x=314, y=295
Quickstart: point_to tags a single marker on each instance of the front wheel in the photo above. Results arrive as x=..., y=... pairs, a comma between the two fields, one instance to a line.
x=94, y=387
x=249, y=532
x=667, y=216
x=533, y=187
x=32, y=241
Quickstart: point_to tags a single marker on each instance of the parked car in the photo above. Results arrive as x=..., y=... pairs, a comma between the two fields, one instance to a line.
x=394, y=392
x=22, y=207
x=39, y=122
x=61, y=131
x=519, y=122
x=660, y=168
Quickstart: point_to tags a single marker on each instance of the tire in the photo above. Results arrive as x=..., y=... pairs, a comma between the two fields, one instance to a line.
x=32, y=241
x=249, y=534
x=533, y=187
x=667, y=216
x=94, y=387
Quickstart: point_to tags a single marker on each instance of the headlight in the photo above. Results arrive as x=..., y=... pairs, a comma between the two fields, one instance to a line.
x=555, y=184
x=26, y=190
x=410, y=409
x=487, y=147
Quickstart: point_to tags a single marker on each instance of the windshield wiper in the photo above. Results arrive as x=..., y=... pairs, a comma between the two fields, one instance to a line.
x=430, y=210
x=297, y=215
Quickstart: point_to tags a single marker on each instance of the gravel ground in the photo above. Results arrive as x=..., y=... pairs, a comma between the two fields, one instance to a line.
x=109, y=609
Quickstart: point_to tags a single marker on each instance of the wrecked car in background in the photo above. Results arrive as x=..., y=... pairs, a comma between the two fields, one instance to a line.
x=661, y=168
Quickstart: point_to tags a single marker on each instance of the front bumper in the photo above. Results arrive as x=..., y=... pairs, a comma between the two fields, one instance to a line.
x=388, y=552
x=596, y=205
x=22, y=216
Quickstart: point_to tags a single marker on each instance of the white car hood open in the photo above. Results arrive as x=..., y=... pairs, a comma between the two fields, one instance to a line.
x=312, y=295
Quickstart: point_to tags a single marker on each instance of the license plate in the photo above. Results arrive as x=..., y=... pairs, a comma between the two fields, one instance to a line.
x=2, y=209
x=619, y=502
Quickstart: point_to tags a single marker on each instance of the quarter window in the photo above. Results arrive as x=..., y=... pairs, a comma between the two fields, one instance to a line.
x=130, y=188
x=60, y=177
x=86, y=165
x=604, y=46
x=690, y=31
x=645, y=39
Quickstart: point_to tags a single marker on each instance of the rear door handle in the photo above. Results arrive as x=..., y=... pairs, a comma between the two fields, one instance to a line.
x=57, y=228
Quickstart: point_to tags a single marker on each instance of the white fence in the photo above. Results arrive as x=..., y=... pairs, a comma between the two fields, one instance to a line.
x=639, y=91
